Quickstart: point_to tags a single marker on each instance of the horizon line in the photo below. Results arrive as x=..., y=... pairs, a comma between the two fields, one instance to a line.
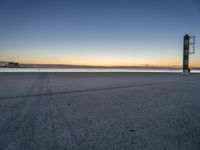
x=51, y=65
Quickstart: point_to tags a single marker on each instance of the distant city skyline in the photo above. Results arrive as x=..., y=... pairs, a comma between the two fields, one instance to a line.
x=98, y=33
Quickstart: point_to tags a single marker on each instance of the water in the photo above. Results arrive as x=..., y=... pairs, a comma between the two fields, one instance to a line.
x=92, y=70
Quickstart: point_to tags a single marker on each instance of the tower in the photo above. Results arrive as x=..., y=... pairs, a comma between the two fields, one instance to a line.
x=186, y=52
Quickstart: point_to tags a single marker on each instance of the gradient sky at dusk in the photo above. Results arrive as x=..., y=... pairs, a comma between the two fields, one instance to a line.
x=98, y=32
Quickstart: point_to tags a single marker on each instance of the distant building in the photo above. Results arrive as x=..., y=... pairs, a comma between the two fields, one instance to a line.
x=12, y=65
x=16, y=65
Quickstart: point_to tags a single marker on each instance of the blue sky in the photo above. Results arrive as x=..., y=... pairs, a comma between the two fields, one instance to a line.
x=98, y=32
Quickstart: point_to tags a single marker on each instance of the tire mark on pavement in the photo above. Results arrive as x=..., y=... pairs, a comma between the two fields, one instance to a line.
x=89, y=90
x=56, y=125
x=10, y=130
x=28, y=140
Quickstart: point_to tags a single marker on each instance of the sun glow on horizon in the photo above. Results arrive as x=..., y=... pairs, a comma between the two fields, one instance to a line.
x=103, y=63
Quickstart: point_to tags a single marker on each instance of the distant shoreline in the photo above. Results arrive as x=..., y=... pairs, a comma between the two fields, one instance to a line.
x=97, y=70
x=97, y=67
x=63, y=66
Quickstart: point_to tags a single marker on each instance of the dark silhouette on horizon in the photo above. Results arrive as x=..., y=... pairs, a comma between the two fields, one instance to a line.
x=16, y=65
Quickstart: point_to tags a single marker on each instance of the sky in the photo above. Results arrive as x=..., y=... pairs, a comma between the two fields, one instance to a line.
x=98, y=32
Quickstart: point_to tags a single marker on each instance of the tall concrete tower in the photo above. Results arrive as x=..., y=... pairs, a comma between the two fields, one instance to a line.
x=186, y=49
x=187, y=41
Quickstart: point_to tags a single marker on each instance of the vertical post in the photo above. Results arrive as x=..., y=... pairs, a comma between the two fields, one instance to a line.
x=186, y=48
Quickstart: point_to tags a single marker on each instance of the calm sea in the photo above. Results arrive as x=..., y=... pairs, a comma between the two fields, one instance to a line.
x=91, y=70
